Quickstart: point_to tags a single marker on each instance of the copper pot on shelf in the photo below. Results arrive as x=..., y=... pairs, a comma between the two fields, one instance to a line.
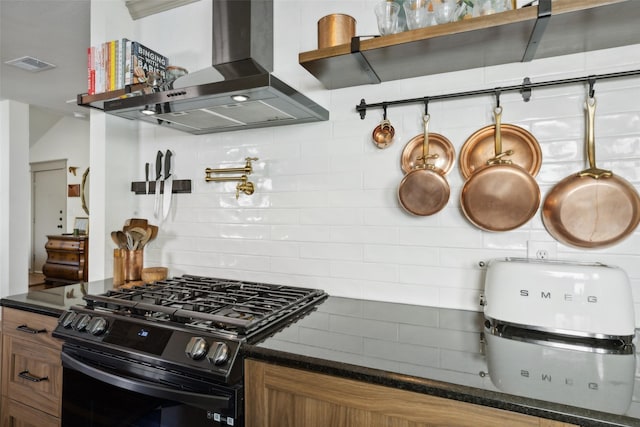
x=335, y=29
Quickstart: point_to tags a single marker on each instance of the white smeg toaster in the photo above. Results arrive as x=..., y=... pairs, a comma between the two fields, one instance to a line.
x=568, y=298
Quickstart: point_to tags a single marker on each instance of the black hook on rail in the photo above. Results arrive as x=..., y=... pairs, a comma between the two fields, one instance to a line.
x=592, y=82
x=426, y=106
x=497, y=93
x=525, y=91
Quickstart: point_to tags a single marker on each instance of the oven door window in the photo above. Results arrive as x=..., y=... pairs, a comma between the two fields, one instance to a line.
x=92, y=399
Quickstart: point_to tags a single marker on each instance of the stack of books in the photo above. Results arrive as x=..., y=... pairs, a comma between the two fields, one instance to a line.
x=118, y=63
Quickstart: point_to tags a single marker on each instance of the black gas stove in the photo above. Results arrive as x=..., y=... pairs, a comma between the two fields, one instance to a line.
x=183, y=333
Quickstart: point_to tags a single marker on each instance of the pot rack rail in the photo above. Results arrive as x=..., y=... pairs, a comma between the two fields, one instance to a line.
x=524, y=88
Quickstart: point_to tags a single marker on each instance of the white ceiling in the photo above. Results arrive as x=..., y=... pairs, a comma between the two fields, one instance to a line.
x=53, y=31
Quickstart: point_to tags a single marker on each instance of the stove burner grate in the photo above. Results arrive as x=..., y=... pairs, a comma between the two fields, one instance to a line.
x=208, y=303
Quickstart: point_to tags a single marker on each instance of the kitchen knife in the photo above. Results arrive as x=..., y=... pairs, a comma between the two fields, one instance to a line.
x=146, y=178
x=156, y=208
x=168, y=185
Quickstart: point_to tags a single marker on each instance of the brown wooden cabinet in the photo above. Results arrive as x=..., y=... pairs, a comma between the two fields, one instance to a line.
x=31, y=370
x=278, y=396
x=67, y=259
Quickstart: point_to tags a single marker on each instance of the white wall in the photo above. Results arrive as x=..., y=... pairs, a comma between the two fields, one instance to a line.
x=112, y=151
x=15, y=197
x=67, y=139
x=325, y=213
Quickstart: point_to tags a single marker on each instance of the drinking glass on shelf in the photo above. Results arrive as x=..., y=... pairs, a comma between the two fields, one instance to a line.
x=489, y=7
x=444, y=10
x=387, y=16
x=418, y=14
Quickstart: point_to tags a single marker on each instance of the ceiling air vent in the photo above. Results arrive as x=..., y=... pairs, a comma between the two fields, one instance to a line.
x=30, y=63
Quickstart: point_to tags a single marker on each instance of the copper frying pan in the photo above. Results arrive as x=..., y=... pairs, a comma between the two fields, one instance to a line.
x=500, y=196
x=424, y=191
x=593, y=208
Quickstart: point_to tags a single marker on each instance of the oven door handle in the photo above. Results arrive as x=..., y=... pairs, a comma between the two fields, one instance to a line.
x=204, y=401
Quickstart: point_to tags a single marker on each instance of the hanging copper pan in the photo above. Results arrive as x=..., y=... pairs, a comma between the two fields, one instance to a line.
x=480, y=146
x=500, y=196
x=593, y=208
x=424, y=190
x=441, y=153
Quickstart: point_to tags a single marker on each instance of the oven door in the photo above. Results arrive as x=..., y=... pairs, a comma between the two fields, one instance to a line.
x=103, y=390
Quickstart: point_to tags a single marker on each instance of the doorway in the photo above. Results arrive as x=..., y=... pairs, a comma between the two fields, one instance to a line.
x=48, y=207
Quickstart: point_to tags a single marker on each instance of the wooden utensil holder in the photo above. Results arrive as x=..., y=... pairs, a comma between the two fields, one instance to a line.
x=133, y=261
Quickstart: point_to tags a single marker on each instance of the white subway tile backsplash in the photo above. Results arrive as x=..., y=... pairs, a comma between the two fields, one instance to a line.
x=440, y=237
x=298, y=266
x=331, y=216
x=243, y=262
x=301, y=233
x=364, y=271
x=437, y=276
x=372, y=235
x=325, y=212
x=342, y=251
x=401, y=254
x=466, y=299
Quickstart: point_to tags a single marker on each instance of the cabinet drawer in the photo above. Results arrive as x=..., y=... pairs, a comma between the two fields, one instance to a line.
x=23, y=324
x=72, y=258
x=20, y=415
x=70, y=272
x=32, y=374
x=64, y=245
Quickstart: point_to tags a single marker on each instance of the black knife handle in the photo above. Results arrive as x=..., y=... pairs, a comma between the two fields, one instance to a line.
x=158, y=165
x=167, y=164
x=146, y=171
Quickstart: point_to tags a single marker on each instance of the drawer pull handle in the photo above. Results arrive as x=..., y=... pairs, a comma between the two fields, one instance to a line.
x=27, y=376
x=25, y=328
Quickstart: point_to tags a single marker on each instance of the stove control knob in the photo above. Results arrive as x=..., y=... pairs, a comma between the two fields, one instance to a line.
x=219, y=353
x=196, y=348
x=97, y=326
x=66, y=319
x=81, y=322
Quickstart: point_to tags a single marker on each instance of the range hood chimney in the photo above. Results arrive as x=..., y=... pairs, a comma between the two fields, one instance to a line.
x=237, y=92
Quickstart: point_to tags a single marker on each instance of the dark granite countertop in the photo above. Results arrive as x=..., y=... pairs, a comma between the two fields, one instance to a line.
x=53, y=301
x=437, y=351
x=444, y=352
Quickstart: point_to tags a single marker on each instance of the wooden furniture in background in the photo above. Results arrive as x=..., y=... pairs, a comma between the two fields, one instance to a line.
x=67, y=259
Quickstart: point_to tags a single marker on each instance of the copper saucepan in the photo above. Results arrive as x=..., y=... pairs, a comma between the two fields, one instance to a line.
x=424, y=190
x=499, y=196
x=593, y=208
x=441, y=153
x=480, y=146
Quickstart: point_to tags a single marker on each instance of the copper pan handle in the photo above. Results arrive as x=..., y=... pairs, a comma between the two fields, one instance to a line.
x=425, y=142
x=498, y=134
x=593, y=171
x=497, y=158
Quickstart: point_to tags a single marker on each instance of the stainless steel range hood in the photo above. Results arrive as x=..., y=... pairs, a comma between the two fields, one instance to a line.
x=207, y=101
